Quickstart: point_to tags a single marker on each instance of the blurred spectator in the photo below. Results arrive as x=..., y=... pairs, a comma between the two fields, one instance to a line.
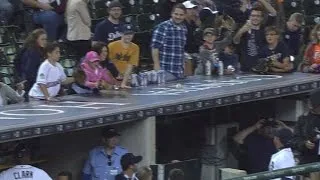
x=6, y=12
x=129, y=166
x=7, y=94
x=275, y=51
x=190, y=22
x=144, y=173
x=257, y=141
x=125, y=54
x=230, y=59
x=284, y=157
x=168, y=44
x=49, y=14
x=165, y=8
x=79, y=24
x=65, y=175
x=32, y=55
x=104, y=161
x=251, y=38
x=306, y=133
x=292, y=35
x=176, y=174
x=50, y=75
x=311, y=59
x=102, y=50
x=23, y=171
x=108, y=30
x=96, y=76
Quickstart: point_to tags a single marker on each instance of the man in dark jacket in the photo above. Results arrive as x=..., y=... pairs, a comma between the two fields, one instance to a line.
x=306, y=133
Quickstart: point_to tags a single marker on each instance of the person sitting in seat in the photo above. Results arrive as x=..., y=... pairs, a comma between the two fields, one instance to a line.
x=8, y=95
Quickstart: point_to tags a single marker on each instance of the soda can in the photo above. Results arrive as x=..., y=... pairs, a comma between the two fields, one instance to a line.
x=161, y=77
x=143, y=77
x=149, y=73
x=154, y=77
x=134, y=80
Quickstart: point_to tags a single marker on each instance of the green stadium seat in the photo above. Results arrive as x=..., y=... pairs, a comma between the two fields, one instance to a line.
x=311, y=7
x=68, y=63
x=6, y=70
x=146, y=22
x=7, y=79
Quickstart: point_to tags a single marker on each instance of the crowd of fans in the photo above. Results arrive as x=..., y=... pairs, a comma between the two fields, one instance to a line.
x=252, y=37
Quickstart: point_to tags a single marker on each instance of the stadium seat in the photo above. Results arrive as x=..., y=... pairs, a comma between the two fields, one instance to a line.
x=3, y=58
x=312, y=20
x=6, y=70
x=146, y=22
x=7, y=79
x=311, y=7
x=68, y=63
x=68, y=71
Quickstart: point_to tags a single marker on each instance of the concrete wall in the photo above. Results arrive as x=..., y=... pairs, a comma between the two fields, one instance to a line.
x=69, y=151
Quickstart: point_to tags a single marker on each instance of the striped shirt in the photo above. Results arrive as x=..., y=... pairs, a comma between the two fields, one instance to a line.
x=170, y=39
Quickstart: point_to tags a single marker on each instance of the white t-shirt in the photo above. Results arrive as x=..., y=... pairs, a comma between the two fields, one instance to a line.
x=282, y=159
x=50, y=75
x=24, y=172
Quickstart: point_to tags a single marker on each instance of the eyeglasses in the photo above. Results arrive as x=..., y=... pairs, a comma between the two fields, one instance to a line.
x=109, y=160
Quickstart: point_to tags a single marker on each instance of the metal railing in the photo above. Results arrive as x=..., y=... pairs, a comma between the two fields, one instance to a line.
x=297, y=170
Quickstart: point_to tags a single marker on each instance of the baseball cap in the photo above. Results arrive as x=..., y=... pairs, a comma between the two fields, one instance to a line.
x=189, y=4
x=315, y=98
x=130, y=159
x=211, y=31
x=92, y=56
x=284, y=134
x=206, y=13
x=114, y=3
x=127, y=29
x=109, y=132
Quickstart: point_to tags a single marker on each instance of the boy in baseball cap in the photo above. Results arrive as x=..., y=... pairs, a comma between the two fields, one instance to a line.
x=128, y=163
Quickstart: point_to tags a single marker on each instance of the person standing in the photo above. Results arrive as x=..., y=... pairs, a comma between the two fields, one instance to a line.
x=79, y=24
x=168, y=44
x=104, y=161
x=108, y=30
x=306, y=133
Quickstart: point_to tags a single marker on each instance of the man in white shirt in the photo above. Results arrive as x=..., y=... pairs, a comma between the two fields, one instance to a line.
x=24, y=172
x=284, y=157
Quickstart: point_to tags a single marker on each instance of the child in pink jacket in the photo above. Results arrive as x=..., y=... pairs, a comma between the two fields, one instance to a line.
x=96, y=76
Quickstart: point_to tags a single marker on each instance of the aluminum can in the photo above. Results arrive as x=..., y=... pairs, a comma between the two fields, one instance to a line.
x=154, y=77
x=134, y=80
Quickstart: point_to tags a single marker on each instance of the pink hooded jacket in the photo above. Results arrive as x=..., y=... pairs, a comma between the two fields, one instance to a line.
x=95, y=75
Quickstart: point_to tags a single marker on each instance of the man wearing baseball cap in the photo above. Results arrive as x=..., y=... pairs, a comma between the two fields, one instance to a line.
x=104, y=161
x=128, y=164
x=23, y=171
x=284, y=157
x=108, y=30
x=124, y=54
x=306, y=133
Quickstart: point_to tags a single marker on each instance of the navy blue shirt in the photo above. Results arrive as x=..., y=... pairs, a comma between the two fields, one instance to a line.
x=279, y=52
x=260, y=150
x=251, y=43
x=229, y=60
x=293, y=41
x=107, y=32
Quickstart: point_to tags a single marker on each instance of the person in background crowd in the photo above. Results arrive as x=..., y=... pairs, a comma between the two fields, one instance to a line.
x=144, y=173
x=176, y=174
x=79, y=24
x=258, y=138
x=108, y=30
x=65, y=175
x=251, y=37
x=306, y=133
x=230, y=59
x=190, y=22
x=124, y=54
x=102, y=50
x=45, y=15
x=129, y=166
x=96, y=76
x=165, y=8
x=50, y=75
x=311, y=59
x=104, y=161
x=6, y=12
x=292, y=35
x=168, y=44
x=284, y=157
x=275, y=51
x=8, y=95
x=23, y=171
x=32, y=56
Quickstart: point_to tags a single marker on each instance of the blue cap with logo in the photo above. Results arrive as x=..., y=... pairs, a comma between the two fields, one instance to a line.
x=128, y=29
